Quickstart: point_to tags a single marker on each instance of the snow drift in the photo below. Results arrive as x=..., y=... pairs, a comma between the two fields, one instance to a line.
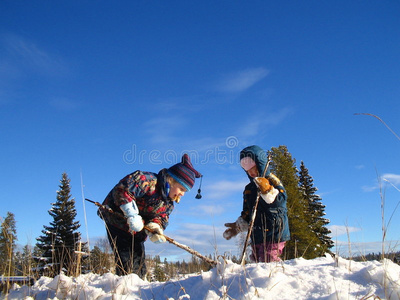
x=320, y=278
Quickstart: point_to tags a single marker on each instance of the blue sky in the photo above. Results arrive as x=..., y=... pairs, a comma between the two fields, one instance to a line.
x=101, y=89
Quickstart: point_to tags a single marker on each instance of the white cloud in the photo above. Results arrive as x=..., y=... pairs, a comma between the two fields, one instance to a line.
x=251, y=127
x=255, y=125
x=388, y=178
x=210, y=210
x=196, y=234
x=391, y=178
x=163, y=130
x=338, y=230
x=367, y=188
x=242, y=80
x=224, y=188
x=23, y=54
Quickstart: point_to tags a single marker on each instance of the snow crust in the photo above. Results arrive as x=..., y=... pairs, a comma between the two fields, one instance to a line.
x=324, y=278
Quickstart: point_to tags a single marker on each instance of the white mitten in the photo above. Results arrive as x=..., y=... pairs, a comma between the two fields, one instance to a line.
x=134, y=220
x=270, y=196
x=135, y=223
x=157, y=234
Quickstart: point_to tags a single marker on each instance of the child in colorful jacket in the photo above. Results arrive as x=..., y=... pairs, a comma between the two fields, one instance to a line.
x=143, y=198
x=271, y=226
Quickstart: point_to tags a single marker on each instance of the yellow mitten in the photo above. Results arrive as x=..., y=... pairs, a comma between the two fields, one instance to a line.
x=263, y=184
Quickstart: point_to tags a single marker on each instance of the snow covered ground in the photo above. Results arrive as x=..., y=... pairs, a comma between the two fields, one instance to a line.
x=322, y=278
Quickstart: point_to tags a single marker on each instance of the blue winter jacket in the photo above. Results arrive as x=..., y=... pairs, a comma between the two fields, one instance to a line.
x=271, y=223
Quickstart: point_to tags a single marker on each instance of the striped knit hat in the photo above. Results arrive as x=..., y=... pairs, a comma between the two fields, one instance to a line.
x=184, y=173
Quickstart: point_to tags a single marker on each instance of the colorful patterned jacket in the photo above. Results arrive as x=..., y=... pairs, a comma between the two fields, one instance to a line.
x=148, y=191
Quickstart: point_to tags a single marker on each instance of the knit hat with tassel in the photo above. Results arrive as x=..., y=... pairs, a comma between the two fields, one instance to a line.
x=184, y=173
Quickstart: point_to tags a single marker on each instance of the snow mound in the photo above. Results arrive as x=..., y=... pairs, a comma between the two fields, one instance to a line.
x=321, y=278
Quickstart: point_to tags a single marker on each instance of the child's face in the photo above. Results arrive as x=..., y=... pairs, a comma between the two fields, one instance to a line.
x=176, y=192
x=253, y=172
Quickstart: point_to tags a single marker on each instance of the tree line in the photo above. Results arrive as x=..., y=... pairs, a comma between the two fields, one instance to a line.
x=60, y=248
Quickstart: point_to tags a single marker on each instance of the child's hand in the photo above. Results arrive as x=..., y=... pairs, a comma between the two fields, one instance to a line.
x=263, y=184
x=231, y=231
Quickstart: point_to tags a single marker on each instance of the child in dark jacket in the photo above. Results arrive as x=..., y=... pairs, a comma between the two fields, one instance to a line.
x=143, y=198
x=271, y=226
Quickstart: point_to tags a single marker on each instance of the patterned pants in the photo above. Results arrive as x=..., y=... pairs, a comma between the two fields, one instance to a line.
x=267, y=252
x=129, y=252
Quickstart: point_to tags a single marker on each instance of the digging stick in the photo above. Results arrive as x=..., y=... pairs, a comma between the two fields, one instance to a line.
x=213, y=263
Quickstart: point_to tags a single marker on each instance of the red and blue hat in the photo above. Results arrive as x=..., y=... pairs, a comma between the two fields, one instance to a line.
x=184, y=173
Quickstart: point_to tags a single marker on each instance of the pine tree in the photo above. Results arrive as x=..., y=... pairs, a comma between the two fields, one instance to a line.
x=159, y=273
x=316, y=212
x=302, y=238
x=24, y=261
x=8, y=236
x=101, y=261
x=60, y=240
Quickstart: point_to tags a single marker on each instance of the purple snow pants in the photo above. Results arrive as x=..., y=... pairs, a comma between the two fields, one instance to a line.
x=267, y=252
